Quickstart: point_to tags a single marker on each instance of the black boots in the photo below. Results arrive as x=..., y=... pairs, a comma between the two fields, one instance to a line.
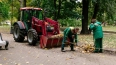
x=6, y=46
x=98, y=51
x=0, y=47
x=62, y=48
x=72, y=47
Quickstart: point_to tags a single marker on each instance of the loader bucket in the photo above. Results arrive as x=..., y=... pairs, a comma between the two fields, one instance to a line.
x=50, y=42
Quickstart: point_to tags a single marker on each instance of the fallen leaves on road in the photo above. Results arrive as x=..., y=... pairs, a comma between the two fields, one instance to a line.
x=27, y=62
x=68, y=58
x=41, y=64
x=5, y=58
x=18, y=64
x=103, y=56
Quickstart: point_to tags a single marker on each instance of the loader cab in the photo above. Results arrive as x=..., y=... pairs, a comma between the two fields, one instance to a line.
x=37, y=12
x=26, y=16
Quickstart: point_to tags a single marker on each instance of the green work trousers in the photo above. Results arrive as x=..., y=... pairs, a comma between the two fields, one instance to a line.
x=98, y=45
x=71, y=45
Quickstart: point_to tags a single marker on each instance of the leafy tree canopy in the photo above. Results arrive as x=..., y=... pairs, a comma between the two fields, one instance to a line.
x=4, y=10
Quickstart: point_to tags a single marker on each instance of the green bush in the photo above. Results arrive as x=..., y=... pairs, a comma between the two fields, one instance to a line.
x=69, y=22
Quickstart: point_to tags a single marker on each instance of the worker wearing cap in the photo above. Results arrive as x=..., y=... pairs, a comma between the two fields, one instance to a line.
x=96, y=27
x=71, y=34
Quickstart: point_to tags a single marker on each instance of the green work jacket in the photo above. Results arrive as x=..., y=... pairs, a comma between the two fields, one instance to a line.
x=97, y=30
x=68, y=33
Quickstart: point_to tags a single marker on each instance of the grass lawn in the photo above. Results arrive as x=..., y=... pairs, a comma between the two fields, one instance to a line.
x=106, y=28
x=109, y=40
x=4, y=29
x=109, y=28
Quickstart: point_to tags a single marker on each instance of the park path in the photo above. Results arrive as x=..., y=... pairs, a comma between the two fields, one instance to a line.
x=24, y=54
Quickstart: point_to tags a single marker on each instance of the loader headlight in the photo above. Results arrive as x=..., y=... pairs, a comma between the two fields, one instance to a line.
x=50, y=28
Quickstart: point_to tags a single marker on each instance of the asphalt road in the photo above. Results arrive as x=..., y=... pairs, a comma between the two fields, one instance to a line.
x=24, y=54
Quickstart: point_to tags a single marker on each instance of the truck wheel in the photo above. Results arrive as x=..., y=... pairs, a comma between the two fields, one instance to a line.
x=18, y=34
x=32, y=37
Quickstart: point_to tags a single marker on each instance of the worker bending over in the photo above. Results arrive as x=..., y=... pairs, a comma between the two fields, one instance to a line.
x=71, y=34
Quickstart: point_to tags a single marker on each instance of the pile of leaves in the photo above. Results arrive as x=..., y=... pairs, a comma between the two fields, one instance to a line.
x=86, y=48
x=57, y=36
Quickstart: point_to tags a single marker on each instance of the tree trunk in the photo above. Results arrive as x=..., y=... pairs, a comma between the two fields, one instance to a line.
x=55, y=10
x=85, y=17
x=12, y=14
x=59, y=7
x=19, y=14
x=96, y=8
x=24, y=3
x=21, y=3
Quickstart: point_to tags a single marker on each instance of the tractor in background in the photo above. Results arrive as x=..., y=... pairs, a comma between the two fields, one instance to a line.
x=37, y=27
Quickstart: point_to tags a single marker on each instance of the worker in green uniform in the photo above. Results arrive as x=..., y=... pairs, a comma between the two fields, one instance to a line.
x=96, y=27
x=71, y=34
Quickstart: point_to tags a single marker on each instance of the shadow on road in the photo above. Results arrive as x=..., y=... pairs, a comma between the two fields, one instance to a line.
x=109, y=52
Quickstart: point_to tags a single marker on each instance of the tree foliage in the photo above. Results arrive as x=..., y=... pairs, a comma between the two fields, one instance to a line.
x=100, y=9
x=4, y=10
x=105, y=9
x=57, y=9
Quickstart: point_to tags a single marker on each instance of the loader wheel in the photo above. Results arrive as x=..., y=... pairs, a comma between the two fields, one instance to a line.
x=18, y=34
x=32, y=37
